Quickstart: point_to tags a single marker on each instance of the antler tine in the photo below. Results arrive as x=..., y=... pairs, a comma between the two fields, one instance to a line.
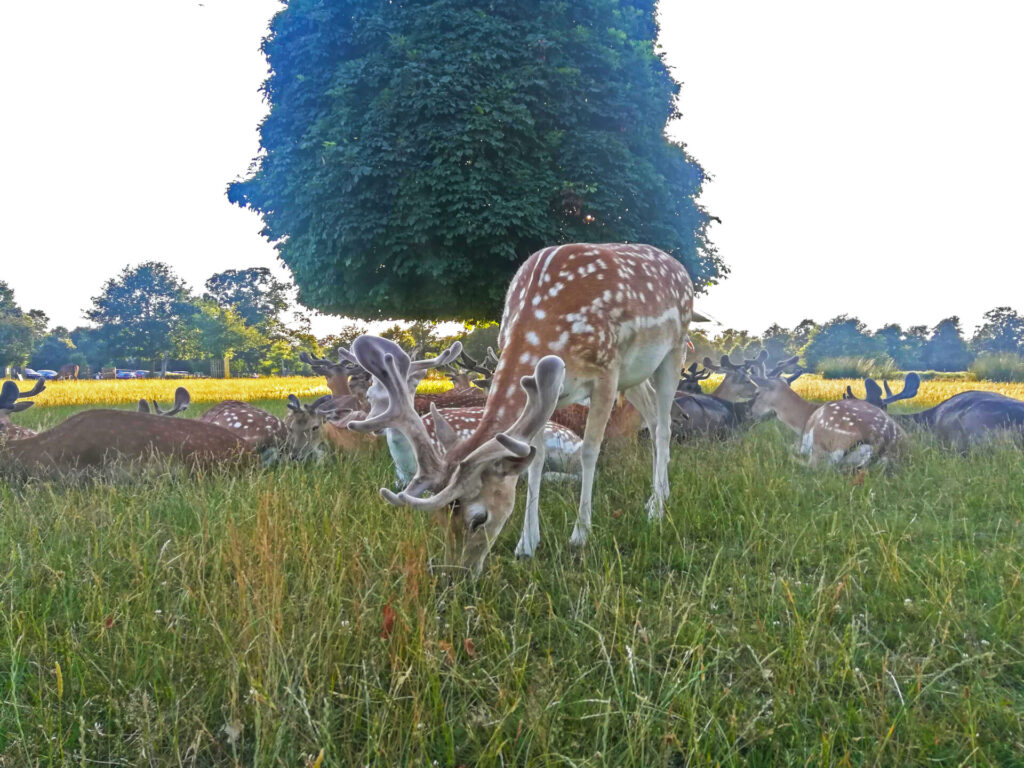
x=390, y=367
x=182, y=400
x=346, y=356
x=782, y=365
x=9, y=393
x=39, y=386
x=885, y=386
x=143, y=405
x=470, y=364
x=492, y=358
x=709, y=365
x=873, y=393
x=911, y=384
x=542, y=391
x=416, y=366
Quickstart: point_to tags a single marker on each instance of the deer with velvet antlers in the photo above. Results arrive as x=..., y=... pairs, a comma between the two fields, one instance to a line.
x=580, y=321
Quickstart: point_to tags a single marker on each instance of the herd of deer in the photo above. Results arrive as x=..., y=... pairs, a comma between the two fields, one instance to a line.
x=604, y=325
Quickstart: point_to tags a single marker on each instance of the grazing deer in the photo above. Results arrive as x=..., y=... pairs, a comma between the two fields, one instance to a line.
x=9, y=396
x=69, y=371
x=964, y=419
x=182, y=399
x=298, y=437
x=447, y=426
x=849, y=433
x=606, y=318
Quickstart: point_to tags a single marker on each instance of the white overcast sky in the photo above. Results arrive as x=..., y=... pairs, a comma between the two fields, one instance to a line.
x=867, y=158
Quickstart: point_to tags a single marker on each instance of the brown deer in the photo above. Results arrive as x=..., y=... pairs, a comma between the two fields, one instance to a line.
x=182, y=399
x=848, y=432
x=348, y=383
x=586, y=321
x=69, y=371
x=94, y=439
x=298, y=437
x=9, y=396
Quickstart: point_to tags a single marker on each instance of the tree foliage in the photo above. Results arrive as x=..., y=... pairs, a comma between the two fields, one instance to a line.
x=947, y=350
x=1002, y=332
x=842, y=336
x=417, y=152
x=19, y=330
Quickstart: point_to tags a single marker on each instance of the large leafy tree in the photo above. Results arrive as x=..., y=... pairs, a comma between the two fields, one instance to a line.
x=140, y=311
x=19, y=330
x=1002, y=331
x=842, y=336
x=416, y=152
x=255, y=294
x=947, y=350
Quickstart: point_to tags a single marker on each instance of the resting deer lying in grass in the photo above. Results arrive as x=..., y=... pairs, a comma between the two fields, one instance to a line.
x=695, y=414
x=97, y=438
x=348, y=383
x=9, y=396
x=298, y=437
x=848, y=433
x=586, y=321
x=182, y=399
x=963, y=420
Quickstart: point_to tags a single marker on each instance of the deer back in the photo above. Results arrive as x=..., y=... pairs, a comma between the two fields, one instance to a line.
x=95, y=438
x=843, y=424
x=256, y=427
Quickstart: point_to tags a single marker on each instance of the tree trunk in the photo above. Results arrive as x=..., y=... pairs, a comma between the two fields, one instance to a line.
x=227, y=366
x=163, y=366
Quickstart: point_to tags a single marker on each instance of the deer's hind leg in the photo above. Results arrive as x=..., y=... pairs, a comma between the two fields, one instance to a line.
x=602, y=399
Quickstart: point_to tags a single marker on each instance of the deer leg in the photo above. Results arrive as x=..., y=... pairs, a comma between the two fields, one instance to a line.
x=664, y=379
x=602, y=399
x=530, y=537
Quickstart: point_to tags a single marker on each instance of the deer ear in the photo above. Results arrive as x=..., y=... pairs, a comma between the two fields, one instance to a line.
x=442, y=429
x=515, y=465
x=294, y=404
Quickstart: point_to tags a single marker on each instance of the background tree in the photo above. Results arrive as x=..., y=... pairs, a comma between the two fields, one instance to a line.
x=778, y=341
x=208, y=330
x=1002, y=332
x=842, y=336
x=54, y=350
x=19, y=330
x=415, y=153
x=947, y=350
x=140, y=311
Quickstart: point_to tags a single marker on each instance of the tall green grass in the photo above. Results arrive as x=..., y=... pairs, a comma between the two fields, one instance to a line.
x=856, y=368
x=776, y=617
x=1005, y=367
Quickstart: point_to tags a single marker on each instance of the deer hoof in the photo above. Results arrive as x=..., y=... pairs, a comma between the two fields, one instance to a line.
x=579, y=538
x=655, y=508
x=525, y=549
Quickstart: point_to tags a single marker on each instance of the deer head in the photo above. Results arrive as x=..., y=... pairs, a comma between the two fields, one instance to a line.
x=182, y=399
x=479, y=489
x=9, y=396
x=690, y=379
x=303, y=424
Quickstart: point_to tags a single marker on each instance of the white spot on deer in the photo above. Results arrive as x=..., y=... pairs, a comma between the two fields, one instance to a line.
x=536, y=299
x=540, y=314
x=559, y=343
x=532, y=338
x=525, y=357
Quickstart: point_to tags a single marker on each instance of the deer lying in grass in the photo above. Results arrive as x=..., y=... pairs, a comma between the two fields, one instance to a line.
x=846, y=433
x=695, y=414
x=348, y=383
x=182, y=399
x=963, y=420
x=586, y=321
x=9, y=396
x=98, y=438
x=298, y=437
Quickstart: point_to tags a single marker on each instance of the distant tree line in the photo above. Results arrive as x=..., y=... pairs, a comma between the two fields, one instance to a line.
x=147, y=317
x=942, y=347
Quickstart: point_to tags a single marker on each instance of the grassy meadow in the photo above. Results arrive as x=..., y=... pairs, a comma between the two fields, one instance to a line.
x=289, y=617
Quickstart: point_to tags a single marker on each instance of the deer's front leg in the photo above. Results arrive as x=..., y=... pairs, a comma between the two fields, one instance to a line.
x=602, y=398
x=530, y=537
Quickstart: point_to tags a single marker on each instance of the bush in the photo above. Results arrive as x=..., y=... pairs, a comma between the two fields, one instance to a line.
x=1004, y=367
x=857, y=367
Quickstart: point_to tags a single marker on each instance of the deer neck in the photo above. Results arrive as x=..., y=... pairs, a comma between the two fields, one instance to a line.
x=793, y=410
x=505, y=399
x=338, y=384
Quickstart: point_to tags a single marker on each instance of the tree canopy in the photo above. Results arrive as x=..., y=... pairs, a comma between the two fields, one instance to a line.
x=19, y=330
x=417, y=152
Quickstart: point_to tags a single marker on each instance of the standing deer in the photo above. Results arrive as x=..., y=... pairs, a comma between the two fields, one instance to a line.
x=69, y=371
x=9, y=396
x=587, y=321
x=848, y=432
